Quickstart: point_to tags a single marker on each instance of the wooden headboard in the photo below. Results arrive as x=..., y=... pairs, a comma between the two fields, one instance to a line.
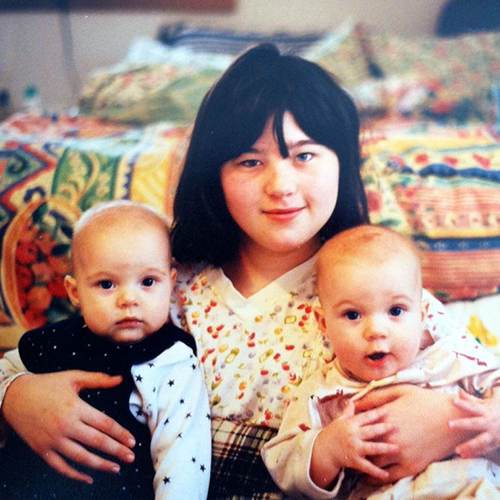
x=143, y=5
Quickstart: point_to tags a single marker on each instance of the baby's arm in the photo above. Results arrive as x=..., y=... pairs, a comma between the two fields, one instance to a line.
x=179, y=420
x=347, y=441
x=437, y=320
x=305, y=460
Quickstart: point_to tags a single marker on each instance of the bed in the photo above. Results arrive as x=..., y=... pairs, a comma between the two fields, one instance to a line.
x=430, y=146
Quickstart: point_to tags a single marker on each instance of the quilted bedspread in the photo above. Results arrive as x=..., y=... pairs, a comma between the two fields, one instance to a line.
x=440, y=184
x=52, y=169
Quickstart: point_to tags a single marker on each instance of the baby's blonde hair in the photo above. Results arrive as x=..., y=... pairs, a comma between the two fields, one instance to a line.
x=367, y=242
x=116, y=212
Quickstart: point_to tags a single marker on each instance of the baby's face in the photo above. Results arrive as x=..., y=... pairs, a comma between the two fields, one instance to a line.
x=373, y=315
x=122, y=281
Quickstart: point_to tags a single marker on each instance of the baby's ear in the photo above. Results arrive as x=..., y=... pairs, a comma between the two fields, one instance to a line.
x=173, y=275
x=320, y=318
x=72, y=290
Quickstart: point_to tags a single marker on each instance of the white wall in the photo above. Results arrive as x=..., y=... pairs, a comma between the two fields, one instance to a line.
x=32, y=49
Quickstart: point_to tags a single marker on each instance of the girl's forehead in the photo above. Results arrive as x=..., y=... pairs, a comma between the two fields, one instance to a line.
x=283, y=130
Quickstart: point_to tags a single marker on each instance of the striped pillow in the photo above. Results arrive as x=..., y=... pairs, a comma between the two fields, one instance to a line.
x=210, y=40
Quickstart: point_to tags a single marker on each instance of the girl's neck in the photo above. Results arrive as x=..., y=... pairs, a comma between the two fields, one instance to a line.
x=254, y=268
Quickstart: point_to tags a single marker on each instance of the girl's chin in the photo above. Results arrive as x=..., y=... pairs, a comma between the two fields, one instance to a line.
x=288, y=247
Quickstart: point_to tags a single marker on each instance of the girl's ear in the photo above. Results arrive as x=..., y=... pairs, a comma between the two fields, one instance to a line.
x=71, y=290
x=320, y=318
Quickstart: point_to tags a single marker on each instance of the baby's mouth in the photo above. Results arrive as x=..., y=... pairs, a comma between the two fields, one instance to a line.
x=377, y=355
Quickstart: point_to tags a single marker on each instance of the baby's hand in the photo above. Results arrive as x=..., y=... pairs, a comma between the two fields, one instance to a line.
x=484, y=418
x=352, y=438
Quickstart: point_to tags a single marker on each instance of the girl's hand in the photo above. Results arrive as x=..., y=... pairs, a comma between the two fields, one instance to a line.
x=421, y=417
x=46, y=412
x=483, y=416
x=346, y=442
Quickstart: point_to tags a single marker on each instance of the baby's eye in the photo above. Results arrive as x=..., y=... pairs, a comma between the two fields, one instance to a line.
x=105, y=284
x=306, y=156
x=396, y=311
x=352, y=315
x=148, y=281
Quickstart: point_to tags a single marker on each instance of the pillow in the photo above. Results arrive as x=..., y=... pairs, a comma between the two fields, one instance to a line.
x=223, y=41
x=454, y=75
x=147, y=93
x=144, y=50
x=341, y=53
x=445, y=193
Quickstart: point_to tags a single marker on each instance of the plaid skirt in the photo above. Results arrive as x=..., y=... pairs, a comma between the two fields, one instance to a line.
x=238, y=471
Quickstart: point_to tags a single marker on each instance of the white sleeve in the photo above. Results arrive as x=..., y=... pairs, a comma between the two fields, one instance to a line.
x=288, y=455
x=437, y=319
x=173, y=396
x=11, y=367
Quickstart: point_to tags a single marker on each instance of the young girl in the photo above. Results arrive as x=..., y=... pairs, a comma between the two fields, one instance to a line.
x=271, y=172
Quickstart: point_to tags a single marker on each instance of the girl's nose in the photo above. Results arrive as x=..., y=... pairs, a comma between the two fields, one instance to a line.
x=281, y=180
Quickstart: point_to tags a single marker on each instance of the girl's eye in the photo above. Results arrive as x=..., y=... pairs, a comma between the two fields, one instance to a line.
x=249, y=163
x=105, y=284
x=352, y=315
x=148, y=281
x=304, y=156
x=396, y=311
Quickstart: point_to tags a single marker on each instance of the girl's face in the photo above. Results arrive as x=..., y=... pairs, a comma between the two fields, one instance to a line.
x=280, y=204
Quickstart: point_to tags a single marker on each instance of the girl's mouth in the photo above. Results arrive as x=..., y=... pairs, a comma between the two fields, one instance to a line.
x=283, y=214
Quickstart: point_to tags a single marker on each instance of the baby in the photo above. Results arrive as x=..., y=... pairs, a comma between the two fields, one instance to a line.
x=121, y=282
x=370, y=290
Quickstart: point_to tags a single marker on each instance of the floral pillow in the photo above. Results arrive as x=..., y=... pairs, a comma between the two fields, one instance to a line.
x=147, y=93
x=436, y=77
x=341, y=53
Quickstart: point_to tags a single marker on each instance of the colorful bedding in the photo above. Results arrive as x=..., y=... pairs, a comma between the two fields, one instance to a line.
x=439, y=184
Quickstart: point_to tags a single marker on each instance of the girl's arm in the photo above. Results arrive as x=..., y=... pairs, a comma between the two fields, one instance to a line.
x=423, y=434
x=46, y=412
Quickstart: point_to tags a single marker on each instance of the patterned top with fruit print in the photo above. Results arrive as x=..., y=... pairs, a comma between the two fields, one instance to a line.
x=255, y=351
